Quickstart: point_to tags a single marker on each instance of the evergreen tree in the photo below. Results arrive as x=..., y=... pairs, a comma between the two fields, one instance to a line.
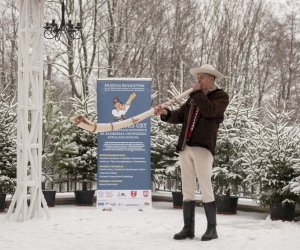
x=238, y=125
x=277, y=158
x=164, y=137
x=85, y=169
x=8, y=151
x=294, y=185
x=164, y=159
x=59, y=149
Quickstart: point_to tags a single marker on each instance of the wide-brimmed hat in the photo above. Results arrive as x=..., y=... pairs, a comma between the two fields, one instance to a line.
x=208, y=69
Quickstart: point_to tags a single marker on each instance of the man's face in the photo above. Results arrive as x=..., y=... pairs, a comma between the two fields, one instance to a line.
x=206, y=81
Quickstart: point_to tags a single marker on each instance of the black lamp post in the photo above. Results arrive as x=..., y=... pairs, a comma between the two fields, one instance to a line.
x=53, y=31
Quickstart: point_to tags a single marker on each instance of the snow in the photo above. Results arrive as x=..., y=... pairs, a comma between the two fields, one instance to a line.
x=74, y=227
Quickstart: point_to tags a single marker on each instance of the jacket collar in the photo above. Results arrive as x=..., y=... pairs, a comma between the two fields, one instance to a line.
x=214, y=91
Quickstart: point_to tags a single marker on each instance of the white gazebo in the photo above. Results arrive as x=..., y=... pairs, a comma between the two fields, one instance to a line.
x=28, y=202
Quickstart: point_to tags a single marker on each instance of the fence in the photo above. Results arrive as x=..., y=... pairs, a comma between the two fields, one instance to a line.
x=171, y=184
x=166, y=184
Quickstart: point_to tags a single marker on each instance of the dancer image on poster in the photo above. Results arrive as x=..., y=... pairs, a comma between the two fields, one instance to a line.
x=120, y=109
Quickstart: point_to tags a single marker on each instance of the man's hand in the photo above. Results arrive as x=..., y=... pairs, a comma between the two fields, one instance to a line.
x=160, y=110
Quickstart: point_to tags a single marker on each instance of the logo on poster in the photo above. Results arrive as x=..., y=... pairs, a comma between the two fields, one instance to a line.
x=145, y=193
x=133, y=193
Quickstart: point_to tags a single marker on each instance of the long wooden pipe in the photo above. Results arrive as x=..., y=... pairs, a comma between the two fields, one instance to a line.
x=82, y=122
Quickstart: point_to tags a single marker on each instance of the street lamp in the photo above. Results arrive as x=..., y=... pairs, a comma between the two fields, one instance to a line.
x=53, y=31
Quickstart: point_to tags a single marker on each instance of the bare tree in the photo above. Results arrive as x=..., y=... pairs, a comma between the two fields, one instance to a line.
x=8, y=46
x=256, y=49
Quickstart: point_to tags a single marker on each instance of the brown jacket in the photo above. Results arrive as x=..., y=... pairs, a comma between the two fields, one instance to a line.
x=211, y=113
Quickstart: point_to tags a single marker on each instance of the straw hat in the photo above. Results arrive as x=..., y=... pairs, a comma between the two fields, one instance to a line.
x=208, y=69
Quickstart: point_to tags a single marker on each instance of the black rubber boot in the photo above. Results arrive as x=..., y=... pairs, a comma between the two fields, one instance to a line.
x=211, y=231
x=188, y=231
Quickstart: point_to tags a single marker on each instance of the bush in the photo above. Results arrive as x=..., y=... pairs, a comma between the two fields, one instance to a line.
x=229, y=170
x=8, y=148
x=7, y=185
x=273, y=166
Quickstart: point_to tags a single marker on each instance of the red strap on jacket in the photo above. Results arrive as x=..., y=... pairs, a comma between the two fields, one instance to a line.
x=192, y=121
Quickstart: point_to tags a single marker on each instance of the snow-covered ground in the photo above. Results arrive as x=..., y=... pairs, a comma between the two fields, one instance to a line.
x=75, y=228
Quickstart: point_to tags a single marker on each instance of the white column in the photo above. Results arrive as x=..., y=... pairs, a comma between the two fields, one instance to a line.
x=29, y=114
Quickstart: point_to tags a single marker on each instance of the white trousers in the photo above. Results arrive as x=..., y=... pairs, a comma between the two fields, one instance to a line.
x=196, y=162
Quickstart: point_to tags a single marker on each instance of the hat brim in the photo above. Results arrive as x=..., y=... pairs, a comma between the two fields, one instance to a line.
x=196, y=71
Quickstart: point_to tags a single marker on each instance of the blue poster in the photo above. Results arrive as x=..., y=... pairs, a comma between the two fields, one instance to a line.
x=124, y=167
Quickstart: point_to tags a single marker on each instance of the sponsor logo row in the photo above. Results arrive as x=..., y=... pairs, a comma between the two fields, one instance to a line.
x=124, y=193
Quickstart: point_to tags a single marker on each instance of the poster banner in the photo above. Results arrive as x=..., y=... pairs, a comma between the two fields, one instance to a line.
x=124, y=162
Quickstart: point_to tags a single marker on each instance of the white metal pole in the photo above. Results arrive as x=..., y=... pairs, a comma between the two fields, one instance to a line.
x=29, y=114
